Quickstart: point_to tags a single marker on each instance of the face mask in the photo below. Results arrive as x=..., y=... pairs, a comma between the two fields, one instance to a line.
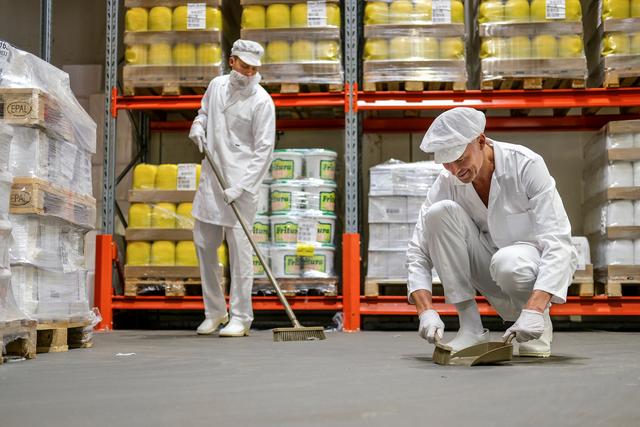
x=240, y=81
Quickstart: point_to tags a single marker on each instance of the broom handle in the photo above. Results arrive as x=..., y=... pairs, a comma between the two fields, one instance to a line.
x=249, y=235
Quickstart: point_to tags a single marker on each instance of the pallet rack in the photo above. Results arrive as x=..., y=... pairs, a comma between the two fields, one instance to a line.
x=351, y=302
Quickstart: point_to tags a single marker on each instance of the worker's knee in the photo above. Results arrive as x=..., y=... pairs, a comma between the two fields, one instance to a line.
x=512, y=269
x=440, y=214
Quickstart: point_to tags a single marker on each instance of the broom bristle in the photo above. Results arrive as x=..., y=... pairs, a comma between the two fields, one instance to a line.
x=298, y=334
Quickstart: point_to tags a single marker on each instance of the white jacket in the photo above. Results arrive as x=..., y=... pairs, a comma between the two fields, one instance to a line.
x=524, y=206
x=240, y=130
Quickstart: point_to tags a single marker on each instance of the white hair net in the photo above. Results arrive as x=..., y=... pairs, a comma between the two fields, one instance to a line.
x=451, y=131
x=249, y=51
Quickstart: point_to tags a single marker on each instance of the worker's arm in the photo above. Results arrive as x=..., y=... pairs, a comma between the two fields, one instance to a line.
x=422, y=300
x=553, y=236
x=264, y=131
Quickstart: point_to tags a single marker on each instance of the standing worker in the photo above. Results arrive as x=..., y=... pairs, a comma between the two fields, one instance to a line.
x=493, y=222
x=237, y=124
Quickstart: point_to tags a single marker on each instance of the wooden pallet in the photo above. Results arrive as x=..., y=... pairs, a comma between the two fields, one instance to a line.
x=149, y=234
x=618, y=280
x=413, y=86
x=621, y=71
x=298, y=286
x=532, y=83
x=34, y=108
x=582, y=283
x=21, y=339
x=40, y=197
x=166, y=287
x=168, y=79
x=60, y=335
x=156, y=196
x=613, y=193
x=374, y=287
x=302, y=87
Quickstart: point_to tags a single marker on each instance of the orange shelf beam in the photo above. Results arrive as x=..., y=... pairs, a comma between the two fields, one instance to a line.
x=315, y=303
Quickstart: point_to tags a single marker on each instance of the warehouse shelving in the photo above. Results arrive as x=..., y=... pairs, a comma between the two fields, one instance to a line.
x=354, y=102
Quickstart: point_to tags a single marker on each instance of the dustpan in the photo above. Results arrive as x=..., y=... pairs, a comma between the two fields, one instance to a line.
x=489, y=353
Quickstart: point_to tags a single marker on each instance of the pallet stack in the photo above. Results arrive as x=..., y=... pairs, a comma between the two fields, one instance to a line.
x=612, y=206
x=51, y=207
x=17, y=331
x=161, y=257
x=613, y=42
x=301, y=40
x=414, y=45
x=396, y=194
x=301, y=225
x=531, y=44
x=171, y=46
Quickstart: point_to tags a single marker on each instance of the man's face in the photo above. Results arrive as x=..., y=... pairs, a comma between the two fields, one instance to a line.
x=467, y=167
x=242, y=67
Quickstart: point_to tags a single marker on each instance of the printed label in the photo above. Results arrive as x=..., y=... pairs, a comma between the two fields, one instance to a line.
x=305, y=249
x=556, y=9
x=316, y=13
x=307, y=230
x=258, y=269
x=285, y=233
x=441, y=11
x=328, y=201
x=316, y=263
x=5, y=56
x=196, y=16
x=186, y=177
x=280, y=201
x=292, y=265
x=324, y=232
x=328, y=169
x=260, y=232
x=282, y=169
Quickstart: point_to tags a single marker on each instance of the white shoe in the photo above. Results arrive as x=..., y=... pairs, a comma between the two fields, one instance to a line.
x=467, y=339
x=542, y=346
x=210, y=325
x=235, y=328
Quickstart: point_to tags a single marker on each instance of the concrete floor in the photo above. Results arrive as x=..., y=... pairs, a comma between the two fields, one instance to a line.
x=366, y=379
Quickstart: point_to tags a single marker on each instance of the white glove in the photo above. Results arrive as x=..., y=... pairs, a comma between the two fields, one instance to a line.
x=232, y=193
x=430, y=325
x=529, y=326
x=196, y=134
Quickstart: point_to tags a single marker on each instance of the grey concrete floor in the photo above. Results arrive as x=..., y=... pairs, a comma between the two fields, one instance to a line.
x=175, y=378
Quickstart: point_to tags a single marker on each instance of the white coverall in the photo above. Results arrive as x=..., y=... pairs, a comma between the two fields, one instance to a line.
x=240, y=131
x=519, y=243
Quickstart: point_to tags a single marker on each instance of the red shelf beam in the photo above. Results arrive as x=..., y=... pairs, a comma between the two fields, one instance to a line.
x=318, y=303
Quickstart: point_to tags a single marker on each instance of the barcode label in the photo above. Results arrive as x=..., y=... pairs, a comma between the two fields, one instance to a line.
x=186, y=177
x=441, y=11
x=556, y=9
x=196, y=16
x=317, y=13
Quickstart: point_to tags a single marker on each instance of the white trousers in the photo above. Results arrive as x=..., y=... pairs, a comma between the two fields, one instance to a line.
x=207, y=238
x=467, y=261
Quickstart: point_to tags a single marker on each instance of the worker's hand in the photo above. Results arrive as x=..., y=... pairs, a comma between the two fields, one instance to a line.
x=232, y=193
x=197, y=135
x=430, y=325
x=529, y=326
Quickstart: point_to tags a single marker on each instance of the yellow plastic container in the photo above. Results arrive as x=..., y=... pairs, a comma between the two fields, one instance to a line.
x=138, y=253
x=163, y=215
x=213, y=19
x=400, y=12
x=186, y=253
x=457, y=12
x=278, y=51
x=163, y=252
x=179, y=19
x=491, y=11
x=299, y=15
x=570, y=46
x=223, y=255
x=376, y=49
x=184, y=218
x=209, y=54
x=198, y=168
x=136, y=19
x=140, y=215
x=545, y=46
x=136, y=54
x=376, y=12
x=327, y=50
x=452, y=48
x=184, y=54
x=278, y=16
x=167, y=177
x=253, y=16
x=615, y=9
x=159, y=54
x=302, y=51
x=144, y=176
x=160, y=18
x=517, y=11
x=333, y=14
x=616, y=43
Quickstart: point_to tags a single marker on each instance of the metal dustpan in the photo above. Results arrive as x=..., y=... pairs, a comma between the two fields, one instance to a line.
x=481, y=354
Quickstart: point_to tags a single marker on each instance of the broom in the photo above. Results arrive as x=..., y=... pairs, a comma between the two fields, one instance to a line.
x=297, y=332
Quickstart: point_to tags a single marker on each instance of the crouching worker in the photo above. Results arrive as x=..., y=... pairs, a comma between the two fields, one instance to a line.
x=493, y=222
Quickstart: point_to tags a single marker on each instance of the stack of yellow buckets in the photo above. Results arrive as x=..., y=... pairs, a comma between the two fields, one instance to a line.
x=301, y=39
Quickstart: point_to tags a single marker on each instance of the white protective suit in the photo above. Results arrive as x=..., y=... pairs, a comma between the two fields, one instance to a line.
x=240, y=131
x=520, y=242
